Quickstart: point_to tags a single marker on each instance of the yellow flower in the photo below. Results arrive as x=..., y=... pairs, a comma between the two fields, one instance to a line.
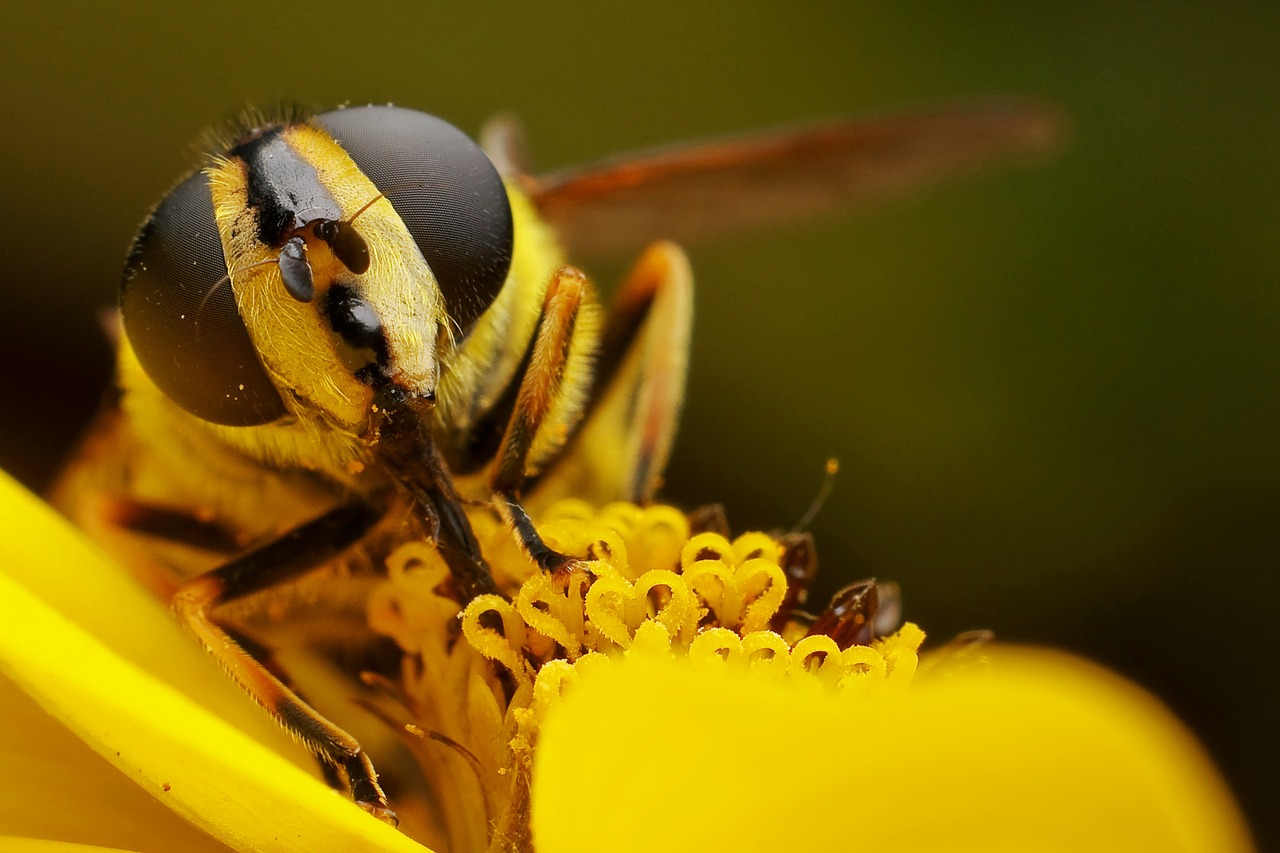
x=670, y=717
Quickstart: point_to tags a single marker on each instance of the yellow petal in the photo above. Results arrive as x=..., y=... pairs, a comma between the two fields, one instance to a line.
x=45, y=554
x=12, y=844
x=55, y=787
x=207, y=771
x=1037, y=752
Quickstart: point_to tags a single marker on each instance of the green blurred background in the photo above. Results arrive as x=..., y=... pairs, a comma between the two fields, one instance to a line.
x=1054, y=392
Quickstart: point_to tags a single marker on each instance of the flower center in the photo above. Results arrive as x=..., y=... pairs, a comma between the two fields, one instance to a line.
x=479, y=684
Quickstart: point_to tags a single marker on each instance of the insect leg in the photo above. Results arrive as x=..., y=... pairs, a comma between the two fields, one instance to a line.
x=861, y=612
x=171, y=523
x=543, y=413
x=548, y=378
x=453, y=535
x=414, y=461
x=621, y=448
x=293, y=554
x=502, y=139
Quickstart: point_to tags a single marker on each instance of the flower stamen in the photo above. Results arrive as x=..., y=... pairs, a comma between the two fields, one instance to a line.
x=640, y=585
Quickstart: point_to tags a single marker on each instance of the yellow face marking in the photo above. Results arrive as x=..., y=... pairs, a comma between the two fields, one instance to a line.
x=293, y=338
x=290, y=336
x=399, y=284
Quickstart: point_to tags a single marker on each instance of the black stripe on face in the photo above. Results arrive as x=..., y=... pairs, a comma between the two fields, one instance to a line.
x=363, y=346
x=284, y=190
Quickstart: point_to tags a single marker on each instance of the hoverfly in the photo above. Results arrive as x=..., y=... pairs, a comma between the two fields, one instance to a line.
x=350, y=328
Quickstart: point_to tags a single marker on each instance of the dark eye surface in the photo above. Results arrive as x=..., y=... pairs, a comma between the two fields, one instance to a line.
x=181, y=317
x=444, y=188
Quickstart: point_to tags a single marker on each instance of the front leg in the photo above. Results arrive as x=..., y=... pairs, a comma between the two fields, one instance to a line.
x=414, y=462
x=297, y=552
x=621, y=449
x=549, y=401
x=631, y=407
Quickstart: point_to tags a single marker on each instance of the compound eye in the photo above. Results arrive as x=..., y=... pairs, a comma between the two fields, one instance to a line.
x=181, y=316
x=446, y=191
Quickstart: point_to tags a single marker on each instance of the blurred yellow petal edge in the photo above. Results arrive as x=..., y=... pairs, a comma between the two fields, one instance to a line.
x=44, y=553
x=10, y=844
x=205, y=770
x=1037, y=751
